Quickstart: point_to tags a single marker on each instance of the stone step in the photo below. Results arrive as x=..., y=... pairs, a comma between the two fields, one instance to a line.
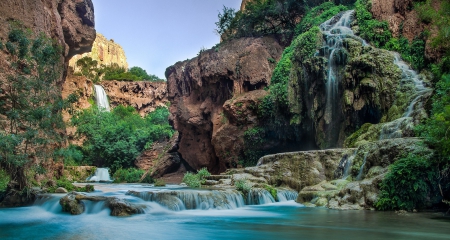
x=218, y=177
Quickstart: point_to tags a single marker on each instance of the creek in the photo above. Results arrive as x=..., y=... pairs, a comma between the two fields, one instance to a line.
x=279, y=220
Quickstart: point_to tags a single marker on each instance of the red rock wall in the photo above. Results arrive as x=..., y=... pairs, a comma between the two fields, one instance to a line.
x=198, y=89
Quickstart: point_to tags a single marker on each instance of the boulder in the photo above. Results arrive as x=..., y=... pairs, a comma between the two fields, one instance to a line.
x=61, y=190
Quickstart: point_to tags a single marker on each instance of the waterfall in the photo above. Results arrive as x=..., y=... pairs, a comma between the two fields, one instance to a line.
x=101, y=174
x=178, y=200
x=258, y=196
x=284, y=195
x=335, y=31
x=361, y=169
x=193, y=199
x=101, y=98
x=394, y=129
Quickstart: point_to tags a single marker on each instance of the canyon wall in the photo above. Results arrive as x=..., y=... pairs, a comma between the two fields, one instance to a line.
x=200, y=88
x=104, y=51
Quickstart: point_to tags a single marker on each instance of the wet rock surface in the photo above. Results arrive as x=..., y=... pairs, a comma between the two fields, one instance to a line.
x=74, y=203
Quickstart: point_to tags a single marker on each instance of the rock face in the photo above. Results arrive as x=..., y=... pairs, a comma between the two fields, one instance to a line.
x=198, y=89
x=70, y=23
x=403, y=19
x=162, y=158
x=104, y=51
x=144, y=96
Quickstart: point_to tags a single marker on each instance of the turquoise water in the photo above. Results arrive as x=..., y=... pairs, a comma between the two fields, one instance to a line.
x=284, y=220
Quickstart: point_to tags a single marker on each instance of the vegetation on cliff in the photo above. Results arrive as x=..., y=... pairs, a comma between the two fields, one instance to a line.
x=31, y=135
x=91, y=70
x=114, y=139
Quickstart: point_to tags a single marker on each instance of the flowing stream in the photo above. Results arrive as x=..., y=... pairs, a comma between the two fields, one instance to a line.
x=101, y=98
x=276, y=220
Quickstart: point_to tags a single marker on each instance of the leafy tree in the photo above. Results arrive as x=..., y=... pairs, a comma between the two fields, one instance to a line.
x=114, y=139
x=30, y=104
x=262, y=17
x=89, y=68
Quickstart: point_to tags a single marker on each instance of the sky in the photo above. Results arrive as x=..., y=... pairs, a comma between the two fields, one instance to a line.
x=156, y=34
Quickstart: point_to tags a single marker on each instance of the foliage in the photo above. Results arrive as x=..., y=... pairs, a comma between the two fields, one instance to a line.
x=376, y=32
x=159, y=183
x=91, y=70
x=225, y=21
x=31, y=104
x=71, y=155
x=4, y=179
x=65, y=183
x=318, y=15
x=408, y=184
x=273, y=191
x=440, y=20
x=242, y=186
x=254, y=139
x=260, y=18
x=196, y=180
x=130, y=175
x=114, y=139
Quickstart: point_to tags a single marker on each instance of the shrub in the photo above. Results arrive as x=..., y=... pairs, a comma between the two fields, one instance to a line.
x=242, y=186
x=273, y=191
x=130, y=175
x=376, y=32
x=114, y=139
x=408, y=184
x=196, y=180
x=159, y=183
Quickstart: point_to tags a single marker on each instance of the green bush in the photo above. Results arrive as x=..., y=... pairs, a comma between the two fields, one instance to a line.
x=65, y=183
x=242, y=186
x=372, y=30
x=4, y=179
x=159, y=183
x=318, y=15
x=114, y=139
x=130, y=175
x=196, y=180
x=273, y=191
x=408, y=184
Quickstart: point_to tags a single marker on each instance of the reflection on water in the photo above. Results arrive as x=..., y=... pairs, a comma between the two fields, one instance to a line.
x=284, y=220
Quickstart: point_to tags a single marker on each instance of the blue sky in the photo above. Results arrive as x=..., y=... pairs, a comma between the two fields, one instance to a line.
x=155, y=34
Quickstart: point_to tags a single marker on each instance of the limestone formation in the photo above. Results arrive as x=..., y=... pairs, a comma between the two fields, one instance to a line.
x=104, y=51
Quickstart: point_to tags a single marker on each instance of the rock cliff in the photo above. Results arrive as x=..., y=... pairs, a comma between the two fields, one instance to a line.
x=199, y=88
x=104, y=51
x=144, y=96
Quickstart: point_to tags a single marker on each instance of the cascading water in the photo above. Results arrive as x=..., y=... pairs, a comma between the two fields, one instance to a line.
x=101, y=98
x=335, y=30
x=361, y=169
x=394, y=129
x=101, y=174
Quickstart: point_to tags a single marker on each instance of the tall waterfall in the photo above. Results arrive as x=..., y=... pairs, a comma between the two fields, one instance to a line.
x=101, y=98
x=335, y=31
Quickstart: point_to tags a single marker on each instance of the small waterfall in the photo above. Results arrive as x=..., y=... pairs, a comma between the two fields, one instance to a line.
x=284, y=195
x=258, y=196
x=101, y=98
x=101, y=174
x=394, y=129
x=361, y=169
x=191, y=199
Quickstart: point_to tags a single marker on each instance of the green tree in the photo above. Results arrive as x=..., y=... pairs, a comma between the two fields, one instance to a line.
x=114, y=139
x=31, y=104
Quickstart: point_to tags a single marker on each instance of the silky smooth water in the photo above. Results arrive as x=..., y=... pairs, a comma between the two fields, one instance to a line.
x=101, y=98
x=281, y=220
